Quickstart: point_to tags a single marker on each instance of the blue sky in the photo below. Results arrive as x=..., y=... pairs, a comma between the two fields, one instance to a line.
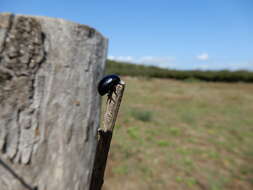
x=181, y=34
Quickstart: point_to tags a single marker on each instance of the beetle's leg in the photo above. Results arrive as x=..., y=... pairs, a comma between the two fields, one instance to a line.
x=110, y=96
x=114, y=90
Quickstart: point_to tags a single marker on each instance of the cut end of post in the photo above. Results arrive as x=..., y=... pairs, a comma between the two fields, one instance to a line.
x=122, y=82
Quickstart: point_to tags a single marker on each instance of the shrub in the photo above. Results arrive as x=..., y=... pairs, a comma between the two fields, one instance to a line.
x=156, y=72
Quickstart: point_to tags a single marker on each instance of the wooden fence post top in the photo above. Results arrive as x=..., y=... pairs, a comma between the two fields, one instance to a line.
x=49, y=104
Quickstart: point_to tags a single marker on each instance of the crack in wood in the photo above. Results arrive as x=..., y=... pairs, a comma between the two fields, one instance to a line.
x=8, y=27
x=22, y=54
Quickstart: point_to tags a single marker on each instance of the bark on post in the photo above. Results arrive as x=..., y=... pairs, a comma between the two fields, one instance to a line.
x=49, y=105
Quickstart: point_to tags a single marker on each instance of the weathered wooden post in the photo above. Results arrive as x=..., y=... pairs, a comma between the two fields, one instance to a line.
x=49, y=105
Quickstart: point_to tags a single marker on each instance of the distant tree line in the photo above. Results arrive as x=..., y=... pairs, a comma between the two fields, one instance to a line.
x=129, y=69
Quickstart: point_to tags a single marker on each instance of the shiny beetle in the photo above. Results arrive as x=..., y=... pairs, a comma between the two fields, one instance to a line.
x=108, y=84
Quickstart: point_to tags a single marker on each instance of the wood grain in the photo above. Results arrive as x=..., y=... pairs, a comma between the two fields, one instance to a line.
x=49, y=105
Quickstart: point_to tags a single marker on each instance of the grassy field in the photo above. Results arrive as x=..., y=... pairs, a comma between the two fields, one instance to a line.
x=182, y=135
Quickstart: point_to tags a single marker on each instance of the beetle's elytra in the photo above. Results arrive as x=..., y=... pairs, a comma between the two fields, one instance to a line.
x=107, y=84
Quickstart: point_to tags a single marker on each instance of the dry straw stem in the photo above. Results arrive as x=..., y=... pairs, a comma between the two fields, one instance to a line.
x=105, y=136
x=112, y=108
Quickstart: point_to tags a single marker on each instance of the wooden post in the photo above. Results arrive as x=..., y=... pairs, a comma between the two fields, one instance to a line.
x=105, y=136
x=49, y=104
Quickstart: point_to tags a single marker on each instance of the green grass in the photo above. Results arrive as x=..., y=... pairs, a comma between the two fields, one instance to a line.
x=133, y=132
x=163, y=143
x=182, y=135
x=142, y=115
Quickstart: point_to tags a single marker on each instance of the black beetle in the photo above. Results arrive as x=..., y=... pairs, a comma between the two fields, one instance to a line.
x=108, y=84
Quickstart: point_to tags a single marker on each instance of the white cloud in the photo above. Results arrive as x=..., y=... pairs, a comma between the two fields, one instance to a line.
x=111, y=57
x=246, y=65
x=225, y=65
x=146, y=60
x=203, y=57
x=121, y=58
x=159, y=61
